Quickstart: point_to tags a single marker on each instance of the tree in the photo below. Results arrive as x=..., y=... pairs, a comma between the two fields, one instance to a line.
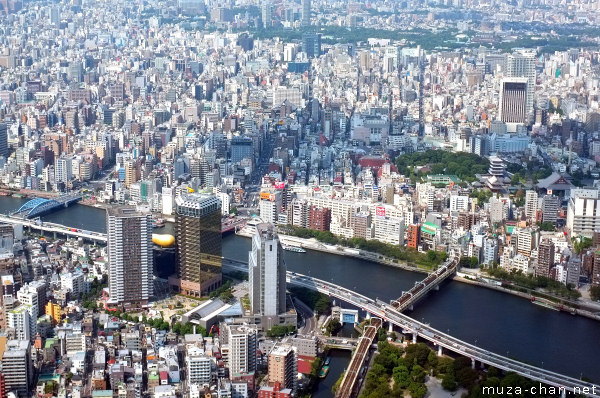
x=401, y=376
x=417, y=374
x=234, y=211
x=595, y=293
x=449, y=383
x=333, y=327
x=417, y=390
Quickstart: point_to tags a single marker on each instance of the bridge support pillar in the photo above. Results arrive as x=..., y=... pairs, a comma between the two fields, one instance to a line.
x=563, y=393
x=439, y=350
x=54, y=235
x=414, y=339
x=436, y=287
x=390, y=327
x=473, y=363
x=368, y=316
x=411, y=307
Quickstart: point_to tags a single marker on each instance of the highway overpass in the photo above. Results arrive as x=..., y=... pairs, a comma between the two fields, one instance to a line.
x=442, y=340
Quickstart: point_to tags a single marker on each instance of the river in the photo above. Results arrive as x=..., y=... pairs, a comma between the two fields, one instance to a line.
x=494, y=320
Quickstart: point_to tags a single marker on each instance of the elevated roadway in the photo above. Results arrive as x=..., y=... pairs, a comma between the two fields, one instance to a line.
x=564, y=384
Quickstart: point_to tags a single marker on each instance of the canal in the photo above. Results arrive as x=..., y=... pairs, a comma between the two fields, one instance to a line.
x=338, y=363
x=493, y=320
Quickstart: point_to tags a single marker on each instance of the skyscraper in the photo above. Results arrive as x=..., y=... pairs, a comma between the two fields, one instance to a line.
x=305, y=13
x=513, y=100
x=545, y=258
x=267, y=273
x=198, y=244
x=311, y=44
x=522, y=64
x=130, y=259
x=267, y=14
x=3, y=140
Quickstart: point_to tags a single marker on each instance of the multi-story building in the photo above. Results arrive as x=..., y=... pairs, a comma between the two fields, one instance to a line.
x=525, y=240
x=583, y=214
x=283, y=366
x=531, y=205
x=267, y=282
x=413, y=236
x=130, y=258
x=513, y=101
x=389, y=230
x=545, y=260
x=17, y=367
x=270, y=205
x=319, y=218
x=550, y=207
x=19, y=319
x=198, y=366
x=242, y=346
x=198, y=233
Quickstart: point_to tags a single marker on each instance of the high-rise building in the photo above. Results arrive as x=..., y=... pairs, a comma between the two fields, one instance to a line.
x=283, y=366
x=130, y=258
x=583, y=215
x=270, y=205
x=550, y=206
x=267, y=273
x=513, y=100
x=531, y=204
x=311, y=44
x=545, y=260
x=19, y=319
x=198, y=218
x=267, y=17
x=17, y=367
x=64, y=169
x=3, y=140
x=522, y=64
x=242, y=343
x=198, y=366
x=306, y=12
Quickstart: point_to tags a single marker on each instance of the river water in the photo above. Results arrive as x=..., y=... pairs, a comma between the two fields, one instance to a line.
x=494, y=320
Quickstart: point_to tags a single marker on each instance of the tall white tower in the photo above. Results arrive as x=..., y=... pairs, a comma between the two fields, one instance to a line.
x=267, y=273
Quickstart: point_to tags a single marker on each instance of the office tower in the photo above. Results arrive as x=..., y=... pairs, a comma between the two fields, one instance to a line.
x=267, y=14
x=311, y=44
x=531, y=204
x=198, y=218
x=241, y=147
x=19, y=319
x=283, y=366
x=522, y=64
x=267, y=273
x=54, y=16
x=550, y=206
x=545, y=258
x=191, y=7
x=17, y=367
x=130, y=259
x=242, y=344
x=305, y=13
x=513, y=100
x=3, y=140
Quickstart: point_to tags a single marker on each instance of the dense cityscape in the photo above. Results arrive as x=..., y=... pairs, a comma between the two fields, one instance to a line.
x=278, y=198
